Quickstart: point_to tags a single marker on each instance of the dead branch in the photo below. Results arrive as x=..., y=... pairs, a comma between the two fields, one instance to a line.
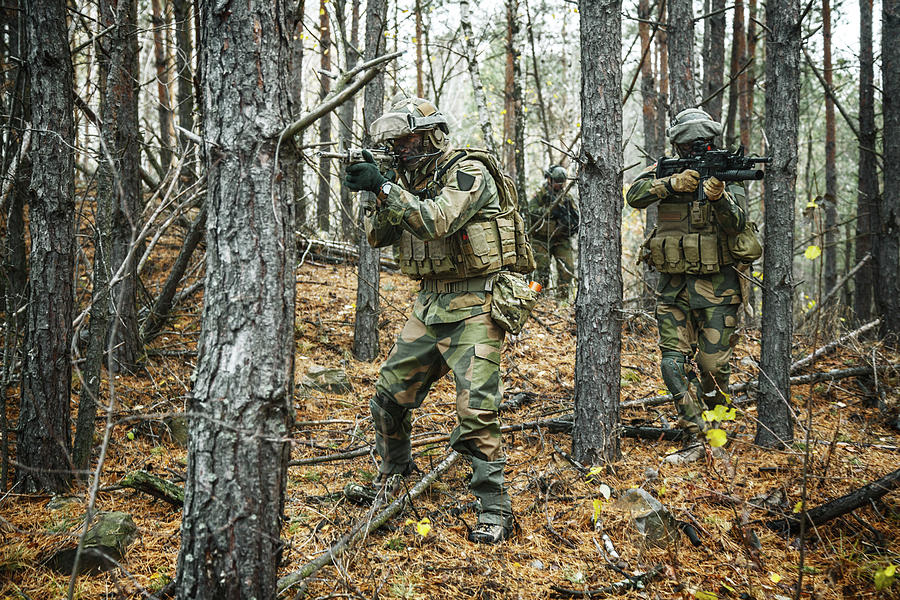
x=157, y=487
x=14, y=167
x=330, y=251
x=828, y=348
x=839, y=506
x=620, y=587
x=362, y=527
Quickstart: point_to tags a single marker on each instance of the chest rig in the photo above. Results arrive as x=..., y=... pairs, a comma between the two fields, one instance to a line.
x=484, y=245
x=687, y=238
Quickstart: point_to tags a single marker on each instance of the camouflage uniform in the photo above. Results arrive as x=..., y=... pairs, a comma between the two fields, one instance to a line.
x=434, y=232
x=552, y=238
x=696, y=312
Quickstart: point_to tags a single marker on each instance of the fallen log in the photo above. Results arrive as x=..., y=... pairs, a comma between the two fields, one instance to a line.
x=334, y=252
x=838, y=506
x=157, y=487
x=362, y=528
x=831, y=347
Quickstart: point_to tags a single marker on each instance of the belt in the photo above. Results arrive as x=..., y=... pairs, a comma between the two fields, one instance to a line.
x=473, y=284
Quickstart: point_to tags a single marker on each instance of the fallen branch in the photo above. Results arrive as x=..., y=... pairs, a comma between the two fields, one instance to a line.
x=157, y=487
x=638, y=582
x=334, y=252
x=839, y=506
x=362, y=528
x=828, y=348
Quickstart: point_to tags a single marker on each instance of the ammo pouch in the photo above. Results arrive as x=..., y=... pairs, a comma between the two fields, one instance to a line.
x=692, y=253
x=512, y=301
x=745, y=246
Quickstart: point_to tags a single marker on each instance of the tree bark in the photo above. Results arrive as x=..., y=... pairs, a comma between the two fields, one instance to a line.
x=365, y=326
x=681, y=55
x=830, y=204
x=120, y=167
x=44, y=441
x=323, y=195
x=184, y=94
x=296, y=87
x=738, y=59
x=241, y=409
x=349, y=229
x=775, y=427
x=484, y=118
x=888, y=237
x=654, y=142
x=164, y=109
x=867, y=195
x=714, y=59
x=420, y=73
x=538, y=86
x=598, y=305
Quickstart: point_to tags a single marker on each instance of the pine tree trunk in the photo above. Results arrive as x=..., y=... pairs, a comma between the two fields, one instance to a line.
x=775, y=427
x=681, y=56
x=365, y=327
x=296, y=89
x=119, y=115
x=598, y=305
x=738, y=59
x=888, y=237
x=184, y=95
x=44, y=442
x=345, y=120
x=662, y=41
x=830, y=204
x=538, y=86
x=867, y=196
x=653, y=145
x=714, y=59
x=323, y=196
x=241, y=406
x=164, y=109
x=420, y=74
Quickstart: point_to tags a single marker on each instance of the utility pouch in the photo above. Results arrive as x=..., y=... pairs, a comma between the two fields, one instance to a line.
x=691, y=245
x=657, y=257
x=699, y=214
x=512, y=301
x=745, y=246
x=709, y=254
x=674, y=255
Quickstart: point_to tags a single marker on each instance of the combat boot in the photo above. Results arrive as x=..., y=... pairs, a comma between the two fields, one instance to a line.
x=489, y=533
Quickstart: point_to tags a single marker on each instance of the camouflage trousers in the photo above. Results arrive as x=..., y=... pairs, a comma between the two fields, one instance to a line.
x=562, y=252
x=692, y=340
x=422, y=354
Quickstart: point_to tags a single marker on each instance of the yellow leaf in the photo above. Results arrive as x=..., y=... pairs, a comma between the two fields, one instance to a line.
x=701, y=595
x=775, y=577
x=813, y=252
x=812, y=204
x=422, y=527
x=798, y=507
x=598, y=507
x=716, y=438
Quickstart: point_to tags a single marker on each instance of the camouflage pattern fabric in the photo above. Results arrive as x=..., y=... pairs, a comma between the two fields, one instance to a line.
x=696, y=314
x=551, y=239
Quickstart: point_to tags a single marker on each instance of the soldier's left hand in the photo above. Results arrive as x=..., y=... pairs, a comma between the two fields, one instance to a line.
x=364, y=175
x=713, y=188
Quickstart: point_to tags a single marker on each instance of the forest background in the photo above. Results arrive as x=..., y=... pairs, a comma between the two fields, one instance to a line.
x=178, y=256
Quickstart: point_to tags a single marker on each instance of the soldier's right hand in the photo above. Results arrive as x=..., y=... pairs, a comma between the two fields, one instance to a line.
x=686, y=181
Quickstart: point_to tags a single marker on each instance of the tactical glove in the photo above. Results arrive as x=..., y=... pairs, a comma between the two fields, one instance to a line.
x=364, y=175
x=713, y=189
x=686, y=181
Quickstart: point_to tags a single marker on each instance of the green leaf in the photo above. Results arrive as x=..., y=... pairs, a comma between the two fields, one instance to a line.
x=701, y=595
x=885, y=577
x=716, y=438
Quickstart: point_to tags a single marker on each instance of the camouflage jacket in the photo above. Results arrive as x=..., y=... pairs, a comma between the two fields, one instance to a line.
x=703, y=291
x=465, y=191
x=552, y=220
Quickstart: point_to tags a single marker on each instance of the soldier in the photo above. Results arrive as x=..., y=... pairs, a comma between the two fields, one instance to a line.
x=553, y=221
x=699, y=289
x=453, y=230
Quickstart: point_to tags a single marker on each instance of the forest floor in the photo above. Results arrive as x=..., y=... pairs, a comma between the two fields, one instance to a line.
x=557, y=546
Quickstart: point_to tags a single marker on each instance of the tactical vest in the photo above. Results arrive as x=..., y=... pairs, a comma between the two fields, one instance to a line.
x=480, y=247
x=687, y=240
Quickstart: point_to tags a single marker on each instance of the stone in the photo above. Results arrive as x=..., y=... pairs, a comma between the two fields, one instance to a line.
x=104, y=545
x=325, y=379
x=651, y=518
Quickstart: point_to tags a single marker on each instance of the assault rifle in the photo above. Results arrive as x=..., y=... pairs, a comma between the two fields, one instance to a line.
x=709, y=162
x=350, y=156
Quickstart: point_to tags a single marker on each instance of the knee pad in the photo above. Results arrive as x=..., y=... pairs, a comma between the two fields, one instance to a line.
x=387, y=415
x=673, y=372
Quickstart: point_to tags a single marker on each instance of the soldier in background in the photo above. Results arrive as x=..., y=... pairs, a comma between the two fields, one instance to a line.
x=699, y=290
x=553, y=221
x=441, y=214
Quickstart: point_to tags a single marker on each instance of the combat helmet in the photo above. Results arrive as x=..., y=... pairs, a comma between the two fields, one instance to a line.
x=693, y=124
x=413, y=115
